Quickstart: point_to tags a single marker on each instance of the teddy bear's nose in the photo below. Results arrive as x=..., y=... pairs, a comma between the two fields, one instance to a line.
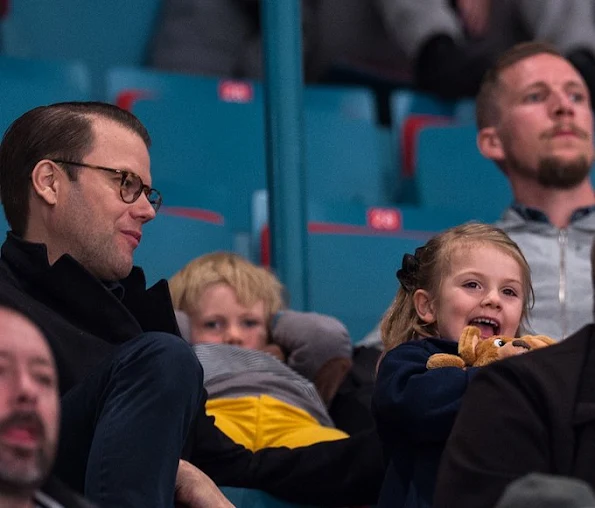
x=520, y=343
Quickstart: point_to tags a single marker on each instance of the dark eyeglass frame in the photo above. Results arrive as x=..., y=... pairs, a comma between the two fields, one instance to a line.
x=153, y=195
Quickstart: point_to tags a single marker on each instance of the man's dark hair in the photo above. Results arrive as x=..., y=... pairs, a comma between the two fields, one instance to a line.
x=58, y=131
x=486, y=103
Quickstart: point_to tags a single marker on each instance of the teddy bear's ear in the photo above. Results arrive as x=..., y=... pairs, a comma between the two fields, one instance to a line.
x=467, y=344
x=538, y=341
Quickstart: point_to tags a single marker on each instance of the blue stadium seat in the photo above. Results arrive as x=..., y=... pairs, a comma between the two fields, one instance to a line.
x=102, y=34
x=206, y=153
x=348, y=160
x=209, y=146
x=25, y=84
x=208, y=134
x=178, y=235
x=349, y=102
x=404, y=103
x=410, y=111
x=357, y=103
x=451, y=173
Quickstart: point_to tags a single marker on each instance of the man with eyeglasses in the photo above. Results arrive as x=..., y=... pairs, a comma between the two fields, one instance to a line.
x=75, y=184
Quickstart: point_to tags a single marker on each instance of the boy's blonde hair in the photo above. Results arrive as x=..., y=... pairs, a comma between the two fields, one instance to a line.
x=427, y=269
x=251, y=283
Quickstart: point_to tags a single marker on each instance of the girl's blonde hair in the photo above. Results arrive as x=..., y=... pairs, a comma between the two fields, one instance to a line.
x=428, y=267
x=251, y=283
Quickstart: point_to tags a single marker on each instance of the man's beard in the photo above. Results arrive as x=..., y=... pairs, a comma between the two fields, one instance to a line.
x=19, y=471
x=554, y=173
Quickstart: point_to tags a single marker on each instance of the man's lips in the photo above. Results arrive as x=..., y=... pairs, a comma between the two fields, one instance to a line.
x=22, y=437
x=134, y=236
x=570, y=130
x=563, y=134
x=22, y=430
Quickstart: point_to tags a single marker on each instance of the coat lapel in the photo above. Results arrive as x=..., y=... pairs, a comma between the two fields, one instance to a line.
x=584, y=418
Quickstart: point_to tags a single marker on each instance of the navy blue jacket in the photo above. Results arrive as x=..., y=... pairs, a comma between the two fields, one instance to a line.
x=415, y=409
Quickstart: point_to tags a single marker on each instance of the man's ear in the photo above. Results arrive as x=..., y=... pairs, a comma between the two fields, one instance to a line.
x=423, y=306
x=45, y=182
x=490, y=144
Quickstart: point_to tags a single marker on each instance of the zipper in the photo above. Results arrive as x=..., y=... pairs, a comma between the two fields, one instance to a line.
x=563, y=244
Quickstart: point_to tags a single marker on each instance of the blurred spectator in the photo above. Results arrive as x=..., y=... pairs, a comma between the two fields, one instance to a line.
x=341, y=40
x=29, y=417
x=446, y=45
x=221, y=38
x=451, y=43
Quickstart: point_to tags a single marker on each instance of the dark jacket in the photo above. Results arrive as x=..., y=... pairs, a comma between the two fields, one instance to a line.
x=415, y=409
x=532, y=413
x=85, y=322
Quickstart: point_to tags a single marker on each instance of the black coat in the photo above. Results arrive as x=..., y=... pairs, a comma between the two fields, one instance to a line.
x=535, y=412
x=85, y=322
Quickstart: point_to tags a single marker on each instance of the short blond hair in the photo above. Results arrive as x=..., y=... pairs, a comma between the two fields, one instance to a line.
x=401, y=322
x=251, y=283
x=487, y=107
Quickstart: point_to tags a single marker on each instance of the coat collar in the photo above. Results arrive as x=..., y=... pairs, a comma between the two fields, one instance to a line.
x=82, y=299
x=584, y=414
x=585, y=396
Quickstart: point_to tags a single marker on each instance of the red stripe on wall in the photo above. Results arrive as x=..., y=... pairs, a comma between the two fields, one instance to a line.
x=194, y=213
x=331, y=228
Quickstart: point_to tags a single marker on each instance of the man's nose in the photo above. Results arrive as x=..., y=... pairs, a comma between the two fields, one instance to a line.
x=562, y=105
x=142, y=209
x=26, y=388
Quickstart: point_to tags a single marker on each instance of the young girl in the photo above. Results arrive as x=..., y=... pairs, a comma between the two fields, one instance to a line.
x=472, y=274
x=236, y=312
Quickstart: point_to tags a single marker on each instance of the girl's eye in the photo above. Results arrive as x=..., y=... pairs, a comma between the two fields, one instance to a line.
x=251, y=323
x=510, y=292
x=471, y=285
x=577, y=97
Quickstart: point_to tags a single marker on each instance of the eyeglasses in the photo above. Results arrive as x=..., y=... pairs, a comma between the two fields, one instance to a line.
x=131, y=185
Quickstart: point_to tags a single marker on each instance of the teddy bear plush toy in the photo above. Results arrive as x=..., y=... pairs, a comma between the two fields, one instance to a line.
x=477, y=352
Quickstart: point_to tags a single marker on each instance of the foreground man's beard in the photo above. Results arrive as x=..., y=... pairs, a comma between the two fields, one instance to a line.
x=20, y=470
